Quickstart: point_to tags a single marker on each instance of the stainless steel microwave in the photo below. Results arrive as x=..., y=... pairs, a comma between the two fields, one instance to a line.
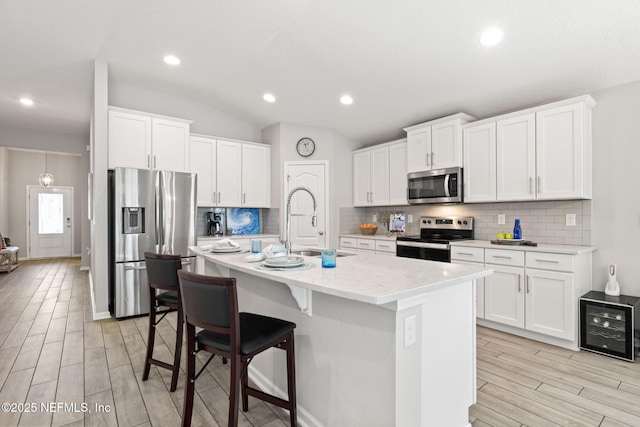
x=435, y=186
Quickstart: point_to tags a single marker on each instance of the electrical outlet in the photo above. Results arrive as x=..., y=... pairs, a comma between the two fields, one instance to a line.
x=375, y=218
x=409, y=330
x=410, y=219
x=501, y=218
x=571, y=220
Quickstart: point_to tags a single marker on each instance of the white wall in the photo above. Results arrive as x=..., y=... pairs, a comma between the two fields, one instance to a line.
x=4, y=191
x=206, y=120
x=25, y=167
x=616, y=175
x=330, y=146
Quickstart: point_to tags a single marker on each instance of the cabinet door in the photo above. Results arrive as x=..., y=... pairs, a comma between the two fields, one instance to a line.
x=446, y=145
x=228, y=173
x=398, y=174
x=361, y=178
x=516, y=158
x=379, y=176
x=550, y=303
x=256, y=176
x=170, y=145
x=504, y=295
x=419, y=150
x=129, y=140
x=203, y=163
x=480, y=163
x=559, y=152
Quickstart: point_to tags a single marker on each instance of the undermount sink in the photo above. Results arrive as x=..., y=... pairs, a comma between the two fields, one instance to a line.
x=316, y=252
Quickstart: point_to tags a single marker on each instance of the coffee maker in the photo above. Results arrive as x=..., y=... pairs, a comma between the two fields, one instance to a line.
x=215, y=223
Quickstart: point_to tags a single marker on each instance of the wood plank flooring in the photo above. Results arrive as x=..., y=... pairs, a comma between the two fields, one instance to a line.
x=52, y=351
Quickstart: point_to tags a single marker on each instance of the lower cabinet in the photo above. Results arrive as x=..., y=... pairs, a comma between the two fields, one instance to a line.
x=531, y=291
x=372, y=246
x=472, y=256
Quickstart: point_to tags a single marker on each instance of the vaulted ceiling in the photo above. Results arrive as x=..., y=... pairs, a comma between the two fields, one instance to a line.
x=402, y=61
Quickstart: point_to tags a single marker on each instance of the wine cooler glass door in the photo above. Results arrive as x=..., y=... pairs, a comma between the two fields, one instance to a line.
x=606, y=328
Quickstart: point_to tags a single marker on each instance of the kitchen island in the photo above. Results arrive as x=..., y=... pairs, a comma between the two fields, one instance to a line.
x=380, y=341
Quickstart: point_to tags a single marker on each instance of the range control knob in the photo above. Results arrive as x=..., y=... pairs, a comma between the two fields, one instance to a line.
x=428, y=221
x=459, y=222
x=465, y=222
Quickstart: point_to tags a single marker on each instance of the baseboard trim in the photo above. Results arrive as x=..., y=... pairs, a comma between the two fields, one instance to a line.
x=305, y=419
x=96, y=316
x=84, y=268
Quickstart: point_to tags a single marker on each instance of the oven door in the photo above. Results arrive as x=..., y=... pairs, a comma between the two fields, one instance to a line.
x=435, y=186
x=423, y=250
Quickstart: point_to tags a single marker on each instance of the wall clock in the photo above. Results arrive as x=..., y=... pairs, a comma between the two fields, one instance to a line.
x=306, y=147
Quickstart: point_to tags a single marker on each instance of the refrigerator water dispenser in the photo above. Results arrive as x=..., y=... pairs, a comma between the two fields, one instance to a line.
x=132, y=220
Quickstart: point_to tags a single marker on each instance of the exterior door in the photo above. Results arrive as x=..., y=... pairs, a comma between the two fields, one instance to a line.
x=312, y=176
x=50, y=228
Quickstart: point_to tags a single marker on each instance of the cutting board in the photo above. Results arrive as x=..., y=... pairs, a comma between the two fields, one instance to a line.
x=514, y=242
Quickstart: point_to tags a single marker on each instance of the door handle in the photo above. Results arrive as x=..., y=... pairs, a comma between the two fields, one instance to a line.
x=215, y=199
x=148, y=161
x=519, y=282
x=433, y=159
x=154, y=162
x=427, y=159
x=538, y=186
x=530, y=184
x=527, y=283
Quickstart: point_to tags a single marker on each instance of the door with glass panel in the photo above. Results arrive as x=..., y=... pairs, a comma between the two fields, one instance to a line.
x=50, y=222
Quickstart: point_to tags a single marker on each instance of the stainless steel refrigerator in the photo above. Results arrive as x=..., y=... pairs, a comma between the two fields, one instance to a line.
x=149, y=211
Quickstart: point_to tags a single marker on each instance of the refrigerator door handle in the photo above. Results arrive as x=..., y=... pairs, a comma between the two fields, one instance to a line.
x=132, y=267
x=159, y=212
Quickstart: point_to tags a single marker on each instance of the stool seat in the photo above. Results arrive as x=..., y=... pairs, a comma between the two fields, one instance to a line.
x=167, y=297
x=256, y=332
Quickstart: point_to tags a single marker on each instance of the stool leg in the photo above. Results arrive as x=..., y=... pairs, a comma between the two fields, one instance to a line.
x=189, y=384
x=244, y=381
x=291, y=381
x=152, y=334
x=178, y=350
x=236, y=367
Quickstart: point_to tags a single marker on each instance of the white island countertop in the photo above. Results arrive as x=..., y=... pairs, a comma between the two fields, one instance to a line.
x=368, y=278
x=542, y=247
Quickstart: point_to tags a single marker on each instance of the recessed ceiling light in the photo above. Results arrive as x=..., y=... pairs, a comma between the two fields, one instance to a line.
x=269, y=97
x=346, y=99
x=491, y=37
x=172, y=60
x=26, y=102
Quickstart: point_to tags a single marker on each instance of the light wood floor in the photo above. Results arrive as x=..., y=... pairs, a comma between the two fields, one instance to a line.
x=51, y=351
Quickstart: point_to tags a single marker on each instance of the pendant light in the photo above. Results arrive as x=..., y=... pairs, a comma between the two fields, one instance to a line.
x=46, y=179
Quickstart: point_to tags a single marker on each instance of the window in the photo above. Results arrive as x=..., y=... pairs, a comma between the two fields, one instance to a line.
x=50, y=213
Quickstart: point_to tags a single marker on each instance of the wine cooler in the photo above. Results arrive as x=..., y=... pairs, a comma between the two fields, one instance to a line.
x=610, y=325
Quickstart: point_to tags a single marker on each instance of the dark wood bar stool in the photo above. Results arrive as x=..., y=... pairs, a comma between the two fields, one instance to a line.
x=162, y=274
x=211, y=303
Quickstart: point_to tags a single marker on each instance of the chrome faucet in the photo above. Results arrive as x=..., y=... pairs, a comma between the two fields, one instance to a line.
x=287, y=243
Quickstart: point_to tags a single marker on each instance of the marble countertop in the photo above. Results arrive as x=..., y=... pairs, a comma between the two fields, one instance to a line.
x=542, y=247
x=369, y=278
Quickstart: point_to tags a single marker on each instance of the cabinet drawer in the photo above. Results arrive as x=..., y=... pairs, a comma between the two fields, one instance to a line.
x=347, y=242
x=504, y=257
x=467, y=254
x=367, y=244
x=555, y=262
x=386, y=246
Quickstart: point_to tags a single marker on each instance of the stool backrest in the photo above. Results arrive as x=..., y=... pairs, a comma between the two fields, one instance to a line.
x=162, y=270
x=210, y=302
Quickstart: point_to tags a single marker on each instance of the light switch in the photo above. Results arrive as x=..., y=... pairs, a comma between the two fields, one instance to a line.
x=501, y=218
x=410, y=218
x=375, y=218
x=571, y=220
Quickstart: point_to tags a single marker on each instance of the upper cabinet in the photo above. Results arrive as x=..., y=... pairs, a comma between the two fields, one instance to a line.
x=542, y=153
x=380, y=175
x=231, y=173
x=147, y=141
x=436, y=144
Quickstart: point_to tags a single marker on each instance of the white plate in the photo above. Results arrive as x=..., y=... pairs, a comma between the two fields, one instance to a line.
x=228, y=250
x=283, y=261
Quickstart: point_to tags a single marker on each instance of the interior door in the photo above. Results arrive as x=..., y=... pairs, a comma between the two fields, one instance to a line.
x=50, y=228
x=311, y=176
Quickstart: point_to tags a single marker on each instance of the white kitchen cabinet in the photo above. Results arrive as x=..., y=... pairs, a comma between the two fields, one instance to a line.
x=371, y=177
x=479, y=146
x=531, y=293
x=563, y=152
x=436, y=144
x=256, y=173
x=372, y=246
x=398, y=173
x=147, y=141
x=516, y=158
x=231, y=173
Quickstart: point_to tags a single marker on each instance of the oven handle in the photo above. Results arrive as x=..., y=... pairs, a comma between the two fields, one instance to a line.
x=423, y=245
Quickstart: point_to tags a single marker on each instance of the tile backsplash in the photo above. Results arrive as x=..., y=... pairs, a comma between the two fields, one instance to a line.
x=542, y=222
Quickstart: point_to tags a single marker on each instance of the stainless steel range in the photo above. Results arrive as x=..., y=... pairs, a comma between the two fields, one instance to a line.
x=435, y=235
